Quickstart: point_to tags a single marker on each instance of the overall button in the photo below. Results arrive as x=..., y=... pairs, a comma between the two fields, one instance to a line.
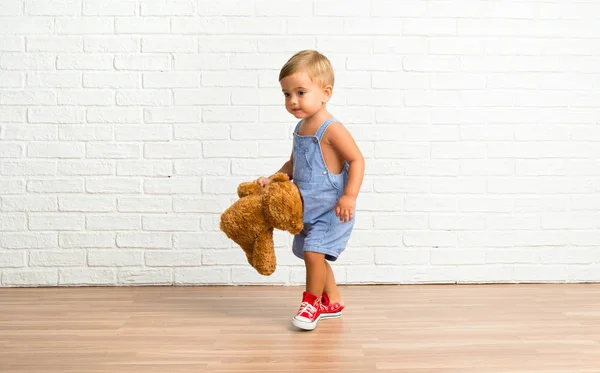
x=324, y=172
x=315, y=140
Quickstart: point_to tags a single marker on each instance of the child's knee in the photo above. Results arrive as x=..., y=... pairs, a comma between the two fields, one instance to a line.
x=311, y=258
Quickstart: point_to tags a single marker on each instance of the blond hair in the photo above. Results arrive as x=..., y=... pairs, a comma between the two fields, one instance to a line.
x=317, y=66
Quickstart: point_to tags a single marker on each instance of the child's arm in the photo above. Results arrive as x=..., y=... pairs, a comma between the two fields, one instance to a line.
x=342, y=142
x=287, y=168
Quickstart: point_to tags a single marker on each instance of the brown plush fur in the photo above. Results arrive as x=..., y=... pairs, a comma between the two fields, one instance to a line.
x=249, y=222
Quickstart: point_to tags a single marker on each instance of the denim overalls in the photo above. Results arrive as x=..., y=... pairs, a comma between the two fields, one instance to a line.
x=320, y=189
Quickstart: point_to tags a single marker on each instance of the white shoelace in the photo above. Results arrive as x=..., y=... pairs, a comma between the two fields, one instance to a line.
x=307, y=307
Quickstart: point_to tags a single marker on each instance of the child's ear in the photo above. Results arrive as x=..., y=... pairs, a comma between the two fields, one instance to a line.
x=327, y=91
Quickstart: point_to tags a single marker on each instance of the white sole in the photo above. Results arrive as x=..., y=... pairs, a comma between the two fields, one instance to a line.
x=306, y=325
x=331, y=315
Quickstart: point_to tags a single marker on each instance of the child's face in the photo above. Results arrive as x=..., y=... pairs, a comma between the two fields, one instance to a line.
x=303, y=97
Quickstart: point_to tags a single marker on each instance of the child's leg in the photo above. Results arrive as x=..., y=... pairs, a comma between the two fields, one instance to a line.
x=331, y=287
x=316, y=272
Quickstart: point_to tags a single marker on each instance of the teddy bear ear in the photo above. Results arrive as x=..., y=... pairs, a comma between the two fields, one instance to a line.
x=280, y=177
x=247, y=188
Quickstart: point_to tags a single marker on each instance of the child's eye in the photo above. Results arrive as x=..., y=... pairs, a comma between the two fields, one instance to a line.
x=301, y=93
x=286, y=94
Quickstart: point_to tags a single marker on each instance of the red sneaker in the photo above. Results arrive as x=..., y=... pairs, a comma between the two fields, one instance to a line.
x=328, y=310
x=309, y=313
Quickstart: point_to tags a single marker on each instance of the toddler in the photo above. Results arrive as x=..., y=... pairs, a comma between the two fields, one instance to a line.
x=328, y=169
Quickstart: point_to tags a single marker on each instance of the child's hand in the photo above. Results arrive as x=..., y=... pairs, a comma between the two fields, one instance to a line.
x=345, y=208
x=263, y=181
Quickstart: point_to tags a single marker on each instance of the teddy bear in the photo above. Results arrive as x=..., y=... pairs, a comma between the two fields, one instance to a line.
x=250, y=220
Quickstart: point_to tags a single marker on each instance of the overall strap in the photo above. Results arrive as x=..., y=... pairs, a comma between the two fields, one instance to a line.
x=298, y=126
x=323, y=128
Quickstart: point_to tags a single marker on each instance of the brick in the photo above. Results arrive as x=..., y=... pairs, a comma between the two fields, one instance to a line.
x=143, y=97
x=111, y=80
x=109, y=8
x=248, y=275
x=115, y=258
x=30, y=277
x=86, y=168
x=55, y=115
x=142, y=62
x=112, y=150
x=215, y=167
x=63, y=44
x=29, y=203
x=114, y=44
x=431, y=204
x=202, y=275
x=112, y=222
x=225, y=8
x=169, y=44
x=86, y=203
x=144, y=240
x=114, y=115
x=61, y=150
x=201, y=132
x=112, y=185
x=11, y=79
x=55, y=186
x=237, y=149
x=172, y=186
x=171, y=80
x=56, y=222
x=144, y=168
x=173, y=222
x=171, y=150
x=207, y=96
x=87, y=132
x=12, y=43
x=400, y=256
x=143, y=133
x=61, y=79
x=172, y=258
x=26, y=26
x=142, y=25
x=78, y=240
x=202, y=240
x=145, y=276
x=14, y=8
x=27, y=97
x=65, y=258
x=11, y=151
x=11, y=114
x=168, y=8
x=52, y=7
x=172, y=115
x=37, y=240
x=371, y=26
x=12, y=259
x=85, y=25
x=86, y=276
x=201, y=205
x=229, y=79
x=144, y=204
x=8, y=186
x=29, y=168
x=227, y=257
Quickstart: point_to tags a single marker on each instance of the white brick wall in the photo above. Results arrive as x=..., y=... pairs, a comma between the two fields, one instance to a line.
x=126, y=126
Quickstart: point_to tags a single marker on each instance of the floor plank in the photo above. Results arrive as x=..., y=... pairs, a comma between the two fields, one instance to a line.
x=533, y=328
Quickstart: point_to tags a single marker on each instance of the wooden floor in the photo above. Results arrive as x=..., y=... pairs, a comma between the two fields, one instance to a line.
x=418, y=329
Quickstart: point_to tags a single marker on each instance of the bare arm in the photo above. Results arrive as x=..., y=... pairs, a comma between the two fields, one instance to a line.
x=288, y=167
x=343, y=143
